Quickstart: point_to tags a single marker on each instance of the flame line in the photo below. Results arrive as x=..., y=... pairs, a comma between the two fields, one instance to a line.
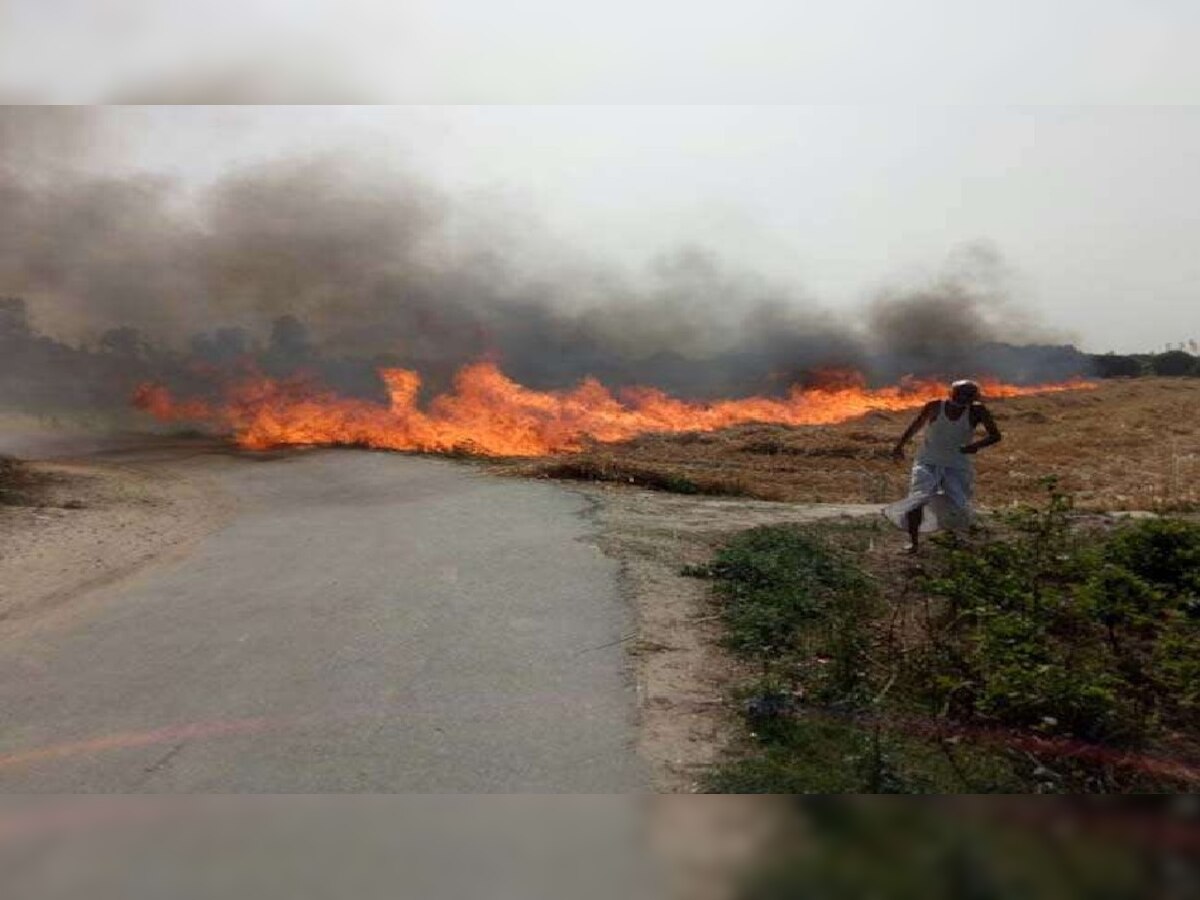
x=488, y=413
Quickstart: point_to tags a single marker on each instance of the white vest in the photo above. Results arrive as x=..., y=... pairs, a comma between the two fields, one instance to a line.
x=944, y=439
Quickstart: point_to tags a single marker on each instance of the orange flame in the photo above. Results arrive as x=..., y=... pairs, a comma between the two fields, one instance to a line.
x=488, y=413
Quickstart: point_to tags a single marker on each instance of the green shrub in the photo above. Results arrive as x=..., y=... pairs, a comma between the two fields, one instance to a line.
x=1063, y=632
x=778, y=581
x=1165, y=552
x=1175, y=666
x=1120, y=599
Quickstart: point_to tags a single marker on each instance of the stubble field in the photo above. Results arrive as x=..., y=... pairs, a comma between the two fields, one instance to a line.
x=1132, y=444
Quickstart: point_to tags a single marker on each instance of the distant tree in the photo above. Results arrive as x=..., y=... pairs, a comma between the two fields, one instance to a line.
x=231, y=343
x=1112, y=365
x=1174, y=363
x=221, y=346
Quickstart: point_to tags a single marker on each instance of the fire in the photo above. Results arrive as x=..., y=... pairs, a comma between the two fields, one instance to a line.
x=490, y=414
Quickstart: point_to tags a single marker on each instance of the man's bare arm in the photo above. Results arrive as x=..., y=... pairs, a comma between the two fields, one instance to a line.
x=993, y=435
x=913, y=428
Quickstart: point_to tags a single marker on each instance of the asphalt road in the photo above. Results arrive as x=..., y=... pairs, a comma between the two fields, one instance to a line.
x=366, y=622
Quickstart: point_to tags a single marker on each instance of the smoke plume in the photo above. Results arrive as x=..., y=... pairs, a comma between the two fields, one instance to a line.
x=329, y=265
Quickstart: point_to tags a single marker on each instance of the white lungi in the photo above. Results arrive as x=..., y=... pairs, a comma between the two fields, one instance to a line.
x=944, y=492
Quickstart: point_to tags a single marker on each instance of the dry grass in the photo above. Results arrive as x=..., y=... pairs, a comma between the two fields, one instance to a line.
x=16, y=481
x=1125, y=445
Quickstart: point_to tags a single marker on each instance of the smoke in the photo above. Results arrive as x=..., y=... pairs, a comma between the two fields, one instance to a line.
x=941, y=324
x=329, y=264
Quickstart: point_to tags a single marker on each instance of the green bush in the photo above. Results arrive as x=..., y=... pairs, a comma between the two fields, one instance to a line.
x=1175, y=666
x=1063, y=632
x=777, y=581
x=1165, y=552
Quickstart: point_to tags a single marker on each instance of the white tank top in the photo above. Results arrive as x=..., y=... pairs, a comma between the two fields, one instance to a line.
x=944, y=437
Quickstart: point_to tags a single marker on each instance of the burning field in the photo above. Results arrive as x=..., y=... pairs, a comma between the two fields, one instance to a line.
x=489, y=414
x=1115, y=445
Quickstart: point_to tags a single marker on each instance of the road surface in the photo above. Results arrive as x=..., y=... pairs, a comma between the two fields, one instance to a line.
x=366, y=622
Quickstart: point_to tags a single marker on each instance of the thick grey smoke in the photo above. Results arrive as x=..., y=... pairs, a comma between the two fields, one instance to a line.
x=324, y=264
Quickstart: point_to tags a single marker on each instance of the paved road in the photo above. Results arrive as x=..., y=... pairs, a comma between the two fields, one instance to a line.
x=367, y=622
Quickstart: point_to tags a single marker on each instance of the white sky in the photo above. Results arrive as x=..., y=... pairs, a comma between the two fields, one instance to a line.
x=619, y=51
x=1038, y=126
x=1097, y=210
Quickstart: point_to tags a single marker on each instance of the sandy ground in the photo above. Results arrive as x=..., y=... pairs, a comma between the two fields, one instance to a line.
x=683, y=674
x=86, y=522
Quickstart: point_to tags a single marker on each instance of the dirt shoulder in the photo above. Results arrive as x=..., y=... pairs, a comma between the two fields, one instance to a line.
x=683, y=673
x=74, y=524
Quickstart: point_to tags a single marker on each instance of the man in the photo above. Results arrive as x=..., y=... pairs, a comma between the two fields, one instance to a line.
x=943, y=476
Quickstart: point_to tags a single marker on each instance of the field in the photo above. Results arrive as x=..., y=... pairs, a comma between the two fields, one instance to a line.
x=1127, y=444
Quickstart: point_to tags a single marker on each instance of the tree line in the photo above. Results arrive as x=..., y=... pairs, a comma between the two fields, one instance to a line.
x=1169, y=364
x=39, y=373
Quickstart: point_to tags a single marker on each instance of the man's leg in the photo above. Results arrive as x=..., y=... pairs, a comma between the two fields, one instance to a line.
x=909, y=513
x=913, y=520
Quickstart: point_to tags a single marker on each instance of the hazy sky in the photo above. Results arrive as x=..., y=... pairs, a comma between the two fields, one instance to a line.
x=1060, y=131
x=1096, y=210
x=621, y=51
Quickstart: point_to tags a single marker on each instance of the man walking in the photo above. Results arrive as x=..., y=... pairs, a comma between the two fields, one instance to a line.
x=943, y=477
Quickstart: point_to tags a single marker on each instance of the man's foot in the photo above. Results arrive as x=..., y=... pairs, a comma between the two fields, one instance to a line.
x=910, y=550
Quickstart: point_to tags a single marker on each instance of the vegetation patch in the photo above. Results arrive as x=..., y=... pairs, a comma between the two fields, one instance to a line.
x=1050, y=653
x=16, y=481
x=597, y=468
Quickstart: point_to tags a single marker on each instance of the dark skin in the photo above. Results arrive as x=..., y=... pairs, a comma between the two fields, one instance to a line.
x=963, y=401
